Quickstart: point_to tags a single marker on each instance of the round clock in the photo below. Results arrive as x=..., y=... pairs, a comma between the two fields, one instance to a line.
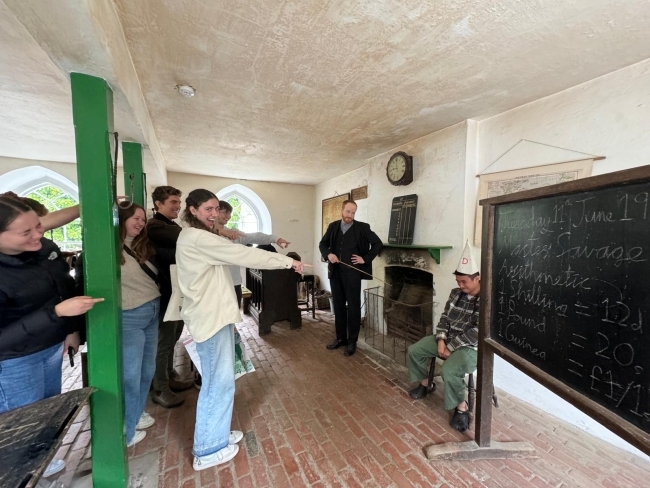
x=399, y=169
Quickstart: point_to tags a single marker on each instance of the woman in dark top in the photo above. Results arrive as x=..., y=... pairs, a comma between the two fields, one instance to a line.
x=37, y=309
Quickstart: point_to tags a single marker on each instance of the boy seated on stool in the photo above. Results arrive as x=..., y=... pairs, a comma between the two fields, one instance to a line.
x=455, y=341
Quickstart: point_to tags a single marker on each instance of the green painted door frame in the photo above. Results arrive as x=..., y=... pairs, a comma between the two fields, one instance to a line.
x=92, y=112
x=133, y=173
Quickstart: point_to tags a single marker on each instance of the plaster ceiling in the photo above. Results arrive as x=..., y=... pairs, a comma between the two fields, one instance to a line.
x=40, y=44
x=302, y=91
x=292, y=90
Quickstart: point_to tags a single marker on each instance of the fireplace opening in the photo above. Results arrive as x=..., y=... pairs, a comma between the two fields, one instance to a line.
x=409, y=308
x=400, y=314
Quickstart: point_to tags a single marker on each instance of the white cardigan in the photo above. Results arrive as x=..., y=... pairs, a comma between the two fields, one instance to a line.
x=202, y=260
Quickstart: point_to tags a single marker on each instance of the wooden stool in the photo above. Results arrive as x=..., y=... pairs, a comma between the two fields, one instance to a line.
x=434, y=370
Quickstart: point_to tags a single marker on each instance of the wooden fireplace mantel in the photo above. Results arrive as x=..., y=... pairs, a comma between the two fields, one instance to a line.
x=434, y=249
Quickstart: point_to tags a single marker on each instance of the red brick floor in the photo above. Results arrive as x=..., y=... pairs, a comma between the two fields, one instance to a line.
x=315, y=418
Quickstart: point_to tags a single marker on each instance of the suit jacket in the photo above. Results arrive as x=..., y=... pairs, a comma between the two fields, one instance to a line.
x=367, y=240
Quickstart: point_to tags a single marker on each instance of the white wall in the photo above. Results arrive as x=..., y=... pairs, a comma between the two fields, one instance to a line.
x=608, y=116
x=291, y=206
x=438, y=180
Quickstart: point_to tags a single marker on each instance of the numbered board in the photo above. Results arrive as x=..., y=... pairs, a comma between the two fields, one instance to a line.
x=569, y=290
x=402, y=220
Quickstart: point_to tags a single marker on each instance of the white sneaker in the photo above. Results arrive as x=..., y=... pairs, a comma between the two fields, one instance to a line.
x=235, y=436
x=139, y=435
x=219, y=457
x=145, y=421
x=55, y=466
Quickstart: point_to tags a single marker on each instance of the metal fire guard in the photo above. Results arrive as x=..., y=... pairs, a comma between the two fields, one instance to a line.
x=392, y=326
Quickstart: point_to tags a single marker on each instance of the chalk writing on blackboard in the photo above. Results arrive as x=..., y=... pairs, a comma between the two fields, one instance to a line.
x=571, y=292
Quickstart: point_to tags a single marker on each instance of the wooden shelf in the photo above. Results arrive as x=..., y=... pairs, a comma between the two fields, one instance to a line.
x=434, y=250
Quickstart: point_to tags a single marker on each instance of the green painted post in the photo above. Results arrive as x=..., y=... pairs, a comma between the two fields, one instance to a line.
x=92, y=112
x=133, y=177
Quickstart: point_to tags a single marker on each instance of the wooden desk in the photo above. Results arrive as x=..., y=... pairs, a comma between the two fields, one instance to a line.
x=31, y=435
x=275, y=297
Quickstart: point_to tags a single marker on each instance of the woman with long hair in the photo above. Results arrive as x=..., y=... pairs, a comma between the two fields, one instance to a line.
x=140, y=309
x=210, y=311
x=38, y=311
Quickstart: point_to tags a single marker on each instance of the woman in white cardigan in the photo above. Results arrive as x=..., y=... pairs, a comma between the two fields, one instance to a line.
x=210, y=312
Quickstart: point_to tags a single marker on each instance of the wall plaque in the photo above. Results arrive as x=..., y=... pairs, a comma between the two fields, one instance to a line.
x=402, y=220
x=359, y=193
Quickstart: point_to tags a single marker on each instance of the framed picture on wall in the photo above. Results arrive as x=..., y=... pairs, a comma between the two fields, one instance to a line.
x=331, y=209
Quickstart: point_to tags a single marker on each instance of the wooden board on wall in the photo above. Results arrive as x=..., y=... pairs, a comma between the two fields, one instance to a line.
x=331, y=209
x=359, y=193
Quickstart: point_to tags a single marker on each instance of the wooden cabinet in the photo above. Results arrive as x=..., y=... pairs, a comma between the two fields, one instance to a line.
x=274, y=297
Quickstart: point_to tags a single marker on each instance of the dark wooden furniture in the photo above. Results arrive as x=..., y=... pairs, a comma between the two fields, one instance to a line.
x=307, y=305
x=275, y=297
x=31, y=435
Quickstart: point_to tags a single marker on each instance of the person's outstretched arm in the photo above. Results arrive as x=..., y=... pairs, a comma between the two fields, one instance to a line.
x=59, y=218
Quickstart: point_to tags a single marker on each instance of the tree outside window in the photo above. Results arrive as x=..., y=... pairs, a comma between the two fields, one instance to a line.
x=68, y=238
x=243, y=216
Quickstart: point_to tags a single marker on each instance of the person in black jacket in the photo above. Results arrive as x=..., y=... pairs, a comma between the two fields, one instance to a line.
x=37, y=309
x=348, y=244
x=163, y=233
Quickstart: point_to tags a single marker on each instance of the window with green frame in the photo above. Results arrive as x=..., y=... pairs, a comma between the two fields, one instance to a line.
x=68, y=238
x=243, y=216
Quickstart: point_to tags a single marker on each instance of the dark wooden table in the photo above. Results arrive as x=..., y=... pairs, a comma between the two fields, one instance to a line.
x=31, y=435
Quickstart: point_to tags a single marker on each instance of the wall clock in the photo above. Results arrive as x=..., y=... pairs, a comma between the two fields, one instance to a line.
x=399, y=169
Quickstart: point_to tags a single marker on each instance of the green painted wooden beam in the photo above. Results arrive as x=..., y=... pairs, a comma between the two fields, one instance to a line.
x=92, y=112
x=133, y=173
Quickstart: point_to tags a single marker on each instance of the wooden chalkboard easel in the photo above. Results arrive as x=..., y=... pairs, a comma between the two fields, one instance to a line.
x=565, y=276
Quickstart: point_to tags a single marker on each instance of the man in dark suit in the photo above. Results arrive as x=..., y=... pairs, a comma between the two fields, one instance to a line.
x=352, y=243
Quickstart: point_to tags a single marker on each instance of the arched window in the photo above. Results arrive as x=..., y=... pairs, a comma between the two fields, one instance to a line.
x=53, y=190
x=243, y=217
x=249, y=213
x=68, y=238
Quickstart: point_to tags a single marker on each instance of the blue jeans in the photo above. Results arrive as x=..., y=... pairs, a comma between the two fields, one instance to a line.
x=139, y=344
x=217, y=397
x=30, y=378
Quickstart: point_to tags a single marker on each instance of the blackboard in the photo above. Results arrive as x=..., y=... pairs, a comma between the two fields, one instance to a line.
x=402, y=220
x=570, y=291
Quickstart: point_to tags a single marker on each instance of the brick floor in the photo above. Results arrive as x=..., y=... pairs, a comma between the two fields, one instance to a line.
x=315, y=418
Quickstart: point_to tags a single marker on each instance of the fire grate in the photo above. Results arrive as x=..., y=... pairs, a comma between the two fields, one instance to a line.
x=391, y=326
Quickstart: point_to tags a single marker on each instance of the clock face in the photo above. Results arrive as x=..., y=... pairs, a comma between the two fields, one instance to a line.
x=396, y=167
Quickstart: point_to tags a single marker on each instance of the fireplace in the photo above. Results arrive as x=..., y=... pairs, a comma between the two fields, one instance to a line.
x=409, y=302
x=401, y=312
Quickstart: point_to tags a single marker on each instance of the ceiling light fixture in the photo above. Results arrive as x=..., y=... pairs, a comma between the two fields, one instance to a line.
x=186, y=90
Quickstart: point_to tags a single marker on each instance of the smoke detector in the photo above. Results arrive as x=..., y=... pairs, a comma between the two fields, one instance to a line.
x=186, y=90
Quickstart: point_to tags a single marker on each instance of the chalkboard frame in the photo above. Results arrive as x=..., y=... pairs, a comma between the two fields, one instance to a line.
x=488, y=346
